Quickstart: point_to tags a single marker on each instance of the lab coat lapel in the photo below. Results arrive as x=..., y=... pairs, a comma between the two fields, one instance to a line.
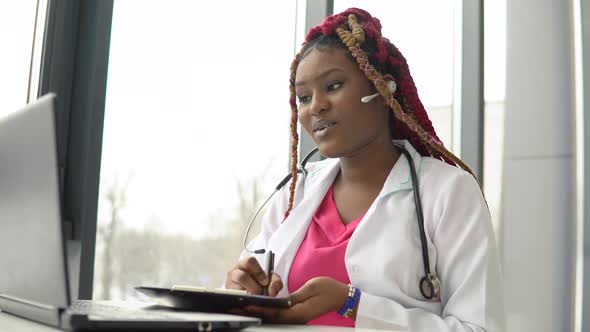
x=400, y=177
x=286, y=240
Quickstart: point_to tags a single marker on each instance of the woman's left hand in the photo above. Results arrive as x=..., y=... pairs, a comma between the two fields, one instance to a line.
x=318, y=296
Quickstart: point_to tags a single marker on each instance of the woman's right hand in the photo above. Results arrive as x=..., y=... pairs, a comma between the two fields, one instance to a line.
x=248, y=275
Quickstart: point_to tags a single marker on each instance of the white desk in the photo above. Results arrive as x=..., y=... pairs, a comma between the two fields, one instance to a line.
x=10, y=323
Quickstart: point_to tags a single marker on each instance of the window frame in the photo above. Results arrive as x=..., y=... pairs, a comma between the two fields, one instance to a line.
x=581, y=19
x=74, y=66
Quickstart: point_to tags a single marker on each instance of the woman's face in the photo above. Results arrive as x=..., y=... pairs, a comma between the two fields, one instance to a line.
x=329, y=88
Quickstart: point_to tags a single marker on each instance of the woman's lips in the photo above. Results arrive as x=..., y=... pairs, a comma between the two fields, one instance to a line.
x=322, y=124
x=321, y=128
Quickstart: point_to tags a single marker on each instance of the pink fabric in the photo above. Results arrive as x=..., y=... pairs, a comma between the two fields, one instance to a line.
x=322, y=254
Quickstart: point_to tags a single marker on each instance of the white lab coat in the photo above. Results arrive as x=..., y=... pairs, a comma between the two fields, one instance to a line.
x=383, y=258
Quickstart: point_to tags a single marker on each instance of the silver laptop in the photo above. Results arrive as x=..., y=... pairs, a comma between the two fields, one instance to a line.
x=33, y=275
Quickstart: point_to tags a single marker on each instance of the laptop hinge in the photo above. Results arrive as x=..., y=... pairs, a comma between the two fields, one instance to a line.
x=31, y=310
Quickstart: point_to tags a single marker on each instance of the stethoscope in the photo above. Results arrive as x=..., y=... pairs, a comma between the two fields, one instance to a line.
x=429, y=284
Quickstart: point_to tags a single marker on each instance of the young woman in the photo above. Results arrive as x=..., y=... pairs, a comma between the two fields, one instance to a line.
x=354, y=245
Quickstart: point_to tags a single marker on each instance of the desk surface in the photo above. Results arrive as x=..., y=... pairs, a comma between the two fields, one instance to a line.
x=12, y=323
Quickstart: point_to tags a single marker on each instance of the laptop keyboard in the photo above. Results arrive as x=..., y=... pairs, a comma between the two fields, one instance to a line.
x=120, y=311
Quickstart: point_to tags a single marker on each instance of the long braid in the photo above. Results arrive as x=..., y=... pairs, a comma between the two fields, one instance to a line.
x=410, y=100
x=428, y=141
x=294, y=135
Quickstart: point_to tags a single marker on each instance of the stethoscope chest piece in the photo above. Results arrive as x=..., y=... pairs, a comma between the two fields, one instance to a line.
x=430, y=287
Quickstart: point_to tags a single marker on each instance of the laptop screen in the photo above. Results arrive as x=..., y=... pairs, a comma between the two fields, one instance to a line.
x=31, y=239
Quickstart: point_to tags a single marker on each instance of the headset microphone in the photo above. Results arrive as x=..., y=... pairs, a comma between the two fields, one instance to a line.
x=367, y=99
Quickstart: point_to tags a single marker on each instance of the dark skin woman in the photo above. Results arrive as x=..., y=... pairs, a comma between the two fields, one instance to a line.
x=344, y=61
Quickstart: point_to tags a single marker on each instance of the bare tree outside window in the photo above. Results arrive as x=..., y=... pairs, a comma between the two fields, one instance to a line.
x=128, y=257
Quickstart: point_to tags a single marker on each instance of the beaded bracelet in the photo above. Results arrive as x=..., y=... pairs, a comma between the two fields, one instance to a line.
x=354, y=294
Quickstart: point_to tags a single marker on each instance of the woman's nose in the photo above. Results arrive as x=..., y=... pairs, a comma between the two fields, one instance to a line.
x=319, y=103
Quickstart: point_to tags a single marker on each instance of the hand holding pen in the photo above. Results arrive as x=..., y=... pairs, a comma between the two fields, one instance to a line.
x=270, y=265
x=248, y=275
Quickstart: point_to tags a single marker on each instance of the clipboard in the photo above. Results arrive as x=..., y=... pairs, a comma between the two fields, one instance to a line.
x=209, y=300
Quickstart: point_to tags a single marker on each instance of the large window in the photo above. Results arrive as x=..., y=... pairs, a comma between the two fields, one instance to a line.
x=17, y=31
x=424, y=32
x=196, y=132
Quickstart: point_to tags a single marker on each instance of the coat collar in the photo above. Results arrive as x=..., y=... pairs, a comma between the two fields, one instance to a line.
x=287, y=238
x=324, y=172
x=400, y=177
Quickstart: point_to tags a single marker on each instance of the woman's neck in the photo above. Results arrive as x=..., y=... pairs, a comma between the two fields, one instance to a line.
x=370, y=165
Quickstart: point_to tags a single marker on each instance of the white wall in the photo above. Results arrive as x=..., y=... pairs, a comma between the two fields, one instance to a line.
x=537, y=239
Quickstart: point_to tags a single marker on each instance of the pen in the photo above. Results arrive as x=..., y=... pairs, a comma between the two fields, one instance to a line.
x=270, y=265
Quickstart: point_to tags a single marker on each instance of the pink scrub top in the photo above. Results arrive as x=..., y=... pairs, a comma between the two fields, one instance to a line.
x=322, y=254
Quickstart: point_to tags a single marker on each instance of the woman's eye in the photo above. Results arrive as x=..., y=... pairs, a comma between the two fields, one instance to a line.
x=304, y=99
x=334, y=85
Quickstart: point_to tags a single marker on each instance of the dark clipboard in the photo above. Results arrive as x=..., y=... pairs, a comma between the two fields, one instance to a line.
x=209, y=301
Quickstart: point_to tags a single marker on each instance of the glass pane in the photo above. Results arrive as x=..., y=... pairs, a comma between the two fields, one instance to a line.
x=196, y=132
x=494, y=92
x=17, y=26
x=424, y=32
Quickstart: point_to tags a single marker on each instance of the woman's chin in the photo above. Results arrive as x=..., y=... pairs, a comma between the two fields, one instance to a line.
x=330, y=150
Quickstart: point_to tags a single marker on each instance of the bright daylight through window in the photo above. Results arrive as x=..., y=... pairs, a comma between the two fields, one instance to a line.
x=17, y=27
x=196, y=132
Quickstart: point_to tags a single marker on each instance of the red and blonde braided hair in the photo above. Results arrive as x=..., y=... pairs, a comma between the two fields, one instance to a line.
x=360, y=34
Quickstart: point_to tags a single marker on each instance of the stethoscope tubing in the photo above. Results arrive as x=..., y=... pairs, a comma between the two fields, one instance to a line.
x=417, y=201
x=419, y=211
x=300, y=169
